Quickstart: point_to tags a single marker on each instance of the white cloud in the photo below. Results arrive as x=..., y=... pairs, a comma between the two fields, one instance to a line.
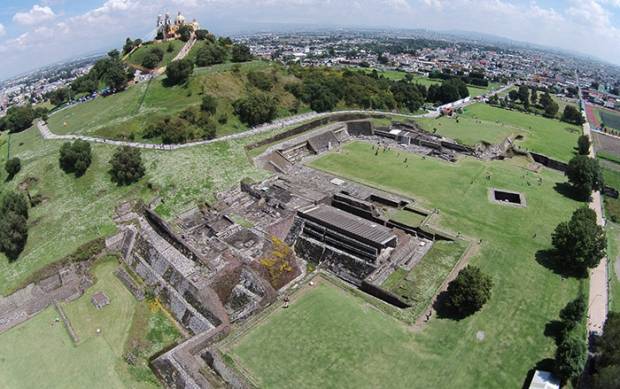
x=2, y=30
x=36, y=15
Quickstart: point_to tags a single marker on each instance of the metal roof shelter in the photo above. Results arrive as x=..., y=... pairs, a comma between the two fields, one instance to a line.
x=544, y=380
x=345, y=223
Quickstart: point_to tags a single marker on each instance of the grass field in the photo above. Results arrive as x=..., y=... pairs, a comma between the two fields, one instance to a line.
x=447, y=353
x=138, y=55
x=412, y=219
x=328, y=338
x=611, y=119
x=75, y=211
x=613, y=256
x=482, y=122
x=41, y=353
x=420, y=285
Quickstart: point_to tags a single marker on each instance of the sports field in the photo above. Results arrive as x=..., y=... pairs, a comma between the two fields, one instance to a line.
x=527, y=294
x=610, y=118
x=482, y=122
x=40, y=353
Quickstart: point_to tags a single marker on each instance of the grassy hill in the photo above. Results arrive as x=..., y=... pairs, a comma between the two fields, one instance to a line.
x=170, y=49
x=125, y=115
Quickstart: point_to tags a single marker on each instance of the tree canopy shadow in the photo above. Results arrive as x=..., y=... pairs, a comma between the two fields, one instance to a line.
x=567, y=190
x=547, y=364
x=555, y=329
x=554, y=262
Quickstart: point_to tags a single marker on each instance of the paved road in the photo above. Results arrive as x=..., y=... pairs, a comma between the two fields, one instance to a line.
x=598, y=298
x=46, y=133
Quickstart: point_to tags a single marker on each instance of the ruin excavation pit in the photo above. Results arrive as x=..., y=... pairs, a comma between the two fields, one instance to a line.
x=505, y=197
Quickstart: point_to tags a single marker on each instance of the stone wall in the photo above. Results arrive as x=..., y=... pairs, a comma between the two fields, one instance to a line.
x=549, y=162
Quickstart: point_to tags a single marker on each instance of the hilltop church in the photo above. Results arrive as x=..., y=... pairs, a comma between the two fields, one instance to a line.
x=166, y=29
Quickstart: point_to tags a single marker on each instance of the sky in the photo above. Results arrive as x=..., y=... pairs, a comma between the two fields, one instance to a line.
x=41, y=32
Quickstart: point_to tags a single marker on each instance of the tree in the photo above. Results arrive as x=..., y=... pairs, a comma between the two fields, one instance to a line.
x=241, y=53
x=584, y=173
x=179, y=71
x=513, y=95
x=12, y=167
x=574, y=312
x=75, y=157
x=570, y=357
x=583, y=145
x=545, y=100
x=607, y=378
x=126, y=166
x=19, y=118
x=185, y=32
x=256, y=108
x=551, y=110
x=201, y=34
x=209, y=104
x=60, y=96
x=469, y=291
x=581, y=241
x=13, y=224
x=524, y=94
x=572, y=115
x=534, y=97
x=115, y=76
x=210, y=54
x=150, y=61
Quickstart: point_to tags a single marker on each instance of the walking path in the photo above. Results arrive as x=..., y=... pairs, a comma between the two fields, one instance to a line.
x=598, y=298
x=46, y=133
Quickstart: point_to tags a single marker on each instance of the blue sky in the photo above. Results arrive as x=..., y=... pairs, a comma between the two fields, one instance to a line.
x=36, y=33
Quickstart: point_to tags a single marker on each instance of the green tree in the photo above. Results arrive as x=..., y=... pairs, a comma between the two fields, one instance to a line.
x=581, y=241
x=584, y=173
x=60, y=96
x=115, y=76
x=19, y=118
x=608, y=345
x=551, y=110
x=571, y=356
x=126, y=166
x=12, y=167
x=185, y=32
x=513, y=95
x=607, y=378
x=210, y=54
x=469, y=291
x=150, y=61
x=583, y=145
x=534, y=97
x=524, y=94
x=75, y=157
x=209, y=104
x=545, y=100
x=256, y=108
x=574, y=312
x=572, y=115
x=13, y=224
x=241, y=53
x=179, y=71
x=260, y=80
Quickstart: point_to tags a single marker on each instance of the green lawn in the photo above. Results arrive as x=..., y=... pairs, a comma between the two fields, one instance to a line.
x=75, y=211
x=482, y=122
x=409, y=218
x=526, y=295
x=613, y=255
x=421, y=284
x=138, y=55
x=328, y=338
x=40, y=352
x=610, y=118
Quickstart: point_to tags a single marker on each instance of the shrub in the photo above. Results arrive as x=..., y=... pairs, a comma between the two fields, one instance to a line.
x=179, y=71
x=13, y=224
x=570, y=356
x=583, y=145
x=256, y=108
x=469, y=291
x=12, y=167
x=209, y=104
x=76, y=157
x=210, y=54
x=260, y=80
x=241, y=53
x=126, y=166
